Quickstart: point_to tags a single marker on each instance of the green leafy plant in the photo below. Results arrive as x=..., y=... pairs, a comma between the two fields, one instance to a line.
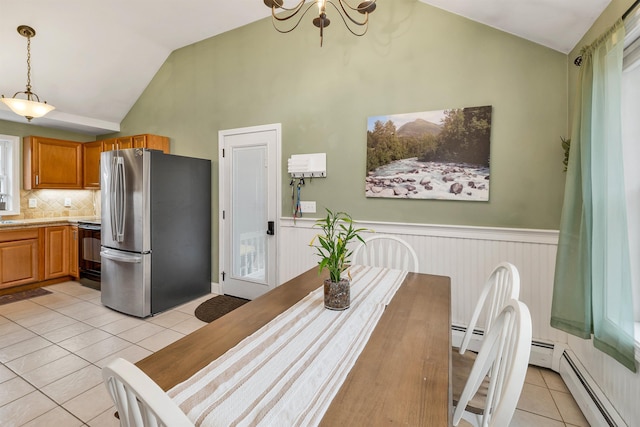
x=332, y=244
x=566, y=146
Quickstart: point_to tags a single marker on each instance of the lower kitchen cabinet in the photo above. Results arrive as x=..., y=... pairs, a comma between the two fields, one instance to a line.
x=38, y=254
x=74, y=268
x=18, y=257
x=56, y=251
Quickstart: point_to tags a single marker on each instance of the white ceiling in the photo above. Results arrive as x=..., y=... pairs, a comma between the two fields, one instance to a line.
x=92, y=59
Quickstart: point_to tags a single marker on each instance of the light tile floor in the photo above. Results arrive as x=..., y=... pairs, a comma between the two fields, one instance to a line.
x=52, y=349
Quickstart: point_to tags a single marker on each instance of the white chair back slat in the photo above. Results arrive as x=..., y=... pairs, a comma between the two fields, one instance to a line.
x=140, y=402
x=502, y=285
x=386, y=251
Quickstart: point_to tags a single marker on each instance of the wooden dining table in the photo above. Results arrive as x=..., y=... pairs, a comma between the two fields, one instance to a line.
x=402, y=376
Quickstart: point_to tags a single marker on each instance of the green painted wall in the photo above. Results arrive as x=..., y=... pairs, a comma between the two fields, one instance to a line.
x=414, y=58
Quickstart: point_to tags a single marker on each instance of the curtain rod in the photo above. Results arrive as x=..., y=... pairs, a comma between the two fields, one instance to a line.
x=635, y=3
x=578, y=60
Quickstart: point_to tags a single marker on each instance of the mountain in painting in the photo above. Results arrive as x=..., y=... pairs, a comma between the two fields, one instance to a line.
x=418, y=127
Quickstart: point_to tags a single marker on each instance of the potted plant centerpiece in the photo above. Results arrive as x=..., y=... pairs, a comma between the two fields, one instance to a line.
x=332, y=248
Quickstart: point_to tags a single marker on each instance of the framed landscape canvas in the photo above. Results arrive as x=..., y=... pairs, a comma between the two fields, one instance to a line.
x=442, y=154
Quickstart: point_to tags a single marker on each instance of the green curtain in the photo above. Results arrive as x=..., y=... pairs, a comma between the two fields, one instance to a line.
x=592, y=292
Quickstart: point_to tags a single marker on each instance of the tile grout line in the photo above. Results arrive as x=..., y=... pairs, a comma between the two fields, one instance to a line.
x=82, y=321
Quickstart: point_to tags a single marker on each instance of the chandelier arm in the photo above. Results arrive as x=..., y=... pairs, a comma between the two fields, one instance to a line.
x=348, y=15
x=346, y=24
x=296, y=8
x=288, y=17
x=294, y=13
x=355, y=9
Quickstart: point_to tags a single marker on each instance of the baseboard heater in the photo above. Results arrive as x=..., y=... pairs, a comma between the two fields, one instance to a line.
x=541, y=352
x=596, y=408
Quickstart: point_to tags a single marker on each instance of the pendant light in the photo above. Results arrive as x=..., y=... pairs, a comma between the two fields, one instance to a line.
x=30, y=107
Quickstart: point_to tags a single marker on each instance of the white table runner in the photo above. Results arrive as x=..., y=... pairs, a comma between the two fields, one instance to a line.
x=288, y=371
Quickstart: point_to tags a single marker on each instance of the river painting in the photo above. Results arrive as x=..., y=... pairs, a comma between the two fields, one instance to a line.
x=440, y=154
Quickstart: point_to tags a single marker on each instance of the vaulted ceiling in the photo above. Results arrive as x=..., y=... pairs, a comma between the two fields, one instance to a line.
x=92, y=59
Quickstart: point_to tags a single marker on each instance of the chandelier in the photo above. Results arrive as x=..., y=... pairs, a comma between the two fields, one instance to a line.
x=347, y=12
x=30, y=107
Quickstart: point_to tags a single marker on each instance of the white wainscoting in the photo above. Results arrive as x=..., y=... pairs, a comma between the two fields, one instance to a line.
x=466, y=254
x=606, y=391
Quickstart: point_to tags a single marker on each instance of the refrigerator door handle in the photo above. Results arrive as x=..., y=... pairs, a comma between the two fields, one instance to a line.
x=118, y=199
x=135, y=259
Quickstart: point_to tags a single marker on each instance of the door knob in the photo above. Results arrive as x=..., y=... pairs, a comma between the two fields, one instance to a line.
x=271, y=228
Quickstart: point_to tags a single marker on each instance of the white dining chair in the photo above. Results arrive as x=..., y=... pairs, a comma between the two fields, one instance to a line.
x=502, y=285
x=489, y=396
x=140, y=402
x=386, y=251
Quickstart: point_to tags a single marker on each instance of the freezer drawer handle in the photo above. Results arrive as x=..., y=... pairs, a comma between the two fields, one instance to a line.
x=113, y=257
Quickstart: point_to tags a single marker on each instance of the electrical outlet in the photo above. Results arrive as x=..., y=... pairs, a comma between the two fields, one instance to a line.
x=33, y=203
x=308, y=207
x=67, y=202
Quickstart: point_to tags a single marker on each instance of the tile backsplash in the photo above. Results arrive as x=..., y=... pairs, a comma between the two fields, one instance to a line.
x=50, y=204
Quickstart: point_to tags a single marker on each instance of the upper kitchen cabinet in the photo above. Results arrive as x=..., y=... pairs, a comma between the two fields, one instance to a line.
x=92, y=150
x=51, y=163
x=121, y=143
x=91, y=167
x=152, y=142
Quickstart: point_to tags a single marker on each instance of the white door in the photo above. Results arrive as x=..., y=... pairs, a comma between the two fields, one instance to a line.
x=249, y=209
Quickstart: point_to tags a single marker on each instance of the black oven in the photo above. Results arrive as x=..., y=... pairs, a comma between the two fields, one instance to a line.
x=89, y=253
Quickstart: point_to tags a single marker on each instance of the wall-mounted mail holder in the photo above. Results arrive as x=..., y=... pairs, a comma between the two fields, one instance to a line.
x=308, y=165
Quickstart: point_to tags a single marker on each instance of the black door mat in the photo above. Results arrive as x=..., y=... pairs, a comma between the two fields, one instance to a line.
x=19, y=296
x=217, y=307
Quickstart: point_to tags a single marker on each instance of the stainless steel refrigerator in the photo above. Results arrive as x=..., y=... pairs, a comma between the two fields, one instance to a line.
x=156, y=230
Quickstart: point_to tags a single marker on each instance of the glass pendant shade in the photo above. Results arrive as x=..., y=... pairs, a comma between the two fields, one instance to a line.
x=26, y=108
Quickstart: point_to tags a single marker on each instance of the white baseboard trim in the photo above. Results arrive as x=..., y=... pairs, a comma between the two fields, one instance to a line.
x=595, y=406
x=216, y=288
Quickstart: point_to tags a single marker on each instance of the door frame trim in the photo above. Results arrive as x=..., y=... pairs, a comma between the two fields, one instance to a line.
x=277, y=127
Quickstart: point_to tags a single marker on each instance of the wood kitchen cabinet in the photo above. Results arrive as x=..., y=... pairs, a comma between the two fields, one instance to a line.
x=91, y=164
x=56, y=251
x=18, y=257
x=152, y=142
x=51, y=163
x=92, y=150
x=74, y=268
x=121, y=143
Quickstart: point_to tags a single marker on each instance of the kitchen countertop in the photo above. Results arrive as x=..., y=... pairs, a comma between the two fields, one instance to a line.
x=9, y=224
